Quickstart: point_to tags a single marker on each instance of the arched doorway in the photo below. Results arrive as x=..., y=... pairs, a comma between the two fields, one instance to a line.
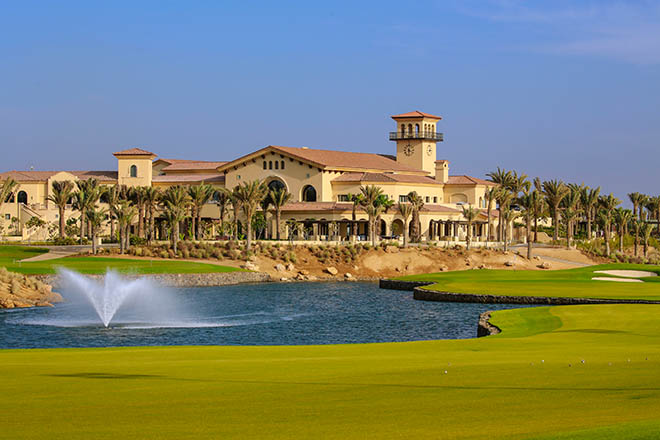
x=397, y=227
x=276, y=185
x=22, y=197
x=382, y=228
x=308, y=194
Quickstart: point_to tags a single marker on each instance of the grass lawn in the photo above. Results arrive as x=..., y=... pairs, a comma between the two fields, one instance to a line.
x=556, y=283
x=517, y=384
x=10, y=257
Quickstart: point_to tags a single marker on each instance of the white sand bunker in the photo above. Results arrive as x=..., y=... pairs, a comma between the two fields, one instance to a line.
x=628, y=273
x=620, y=280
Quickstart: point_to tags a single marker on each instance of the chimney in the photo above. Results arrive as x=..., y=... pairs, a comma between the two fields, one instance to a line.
x=442, y=171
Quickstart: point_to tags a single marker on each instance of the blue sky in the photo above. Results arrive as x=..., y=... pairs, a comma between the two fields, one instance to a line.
x=566, y=89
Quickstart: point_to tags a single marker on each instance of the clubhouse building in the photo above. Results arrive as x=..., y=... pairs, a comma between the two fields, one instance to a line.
x=320, y=181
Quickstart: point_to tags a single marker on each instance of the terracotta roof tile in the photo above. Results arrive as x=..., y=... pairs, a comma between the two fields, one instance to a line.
x=189, y=178
x=468, y=180
x=187, y=165
x=438, y=208
x=415, y=114
x=385, y=177
x=317, y=206
x=134, y=152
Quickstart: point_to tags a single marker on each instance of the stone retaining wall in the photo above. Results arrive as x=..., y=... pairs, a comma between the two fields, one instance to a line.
x=484, y=327
x=401, y=285
x=184, y=280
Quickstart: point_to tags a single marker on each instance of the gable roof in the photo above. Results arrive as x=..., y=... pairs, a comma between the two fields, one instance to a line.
x=42, y=176
x=416, y=114
x=386, y=177
x=333, y=159
x=468, y=180
x=187, y=165
x=134, y=152
x=189, y=178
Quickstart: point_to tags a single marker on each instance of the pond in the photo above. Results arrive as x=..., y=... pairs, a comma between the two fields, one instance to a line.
x=248, y=314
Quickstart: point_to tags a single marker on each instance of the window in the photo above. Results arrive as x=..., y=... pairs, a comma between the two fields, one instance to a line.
x=133, y=171
x=276, y=185
x=403, y=199
x=281, y=164
x=277, y=164
x=270, y=164
x=7, y=216
x=428, y=199
x=343, y=198
x=435, y=200
x=265, y=166
x=309, y=194
x=22, y=197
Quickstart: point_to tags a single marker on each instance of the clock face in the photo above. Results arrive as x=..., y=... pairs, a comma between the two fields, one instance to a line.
x=429, y=150
x=409, y=150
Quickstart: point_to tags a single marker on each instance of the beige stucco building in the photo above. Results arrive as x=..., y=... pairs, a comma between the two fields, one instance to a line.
x=320, y=181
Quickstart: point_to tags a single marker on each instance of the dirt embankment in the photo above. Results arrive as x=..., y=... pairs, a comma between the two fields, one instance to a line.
x=18, y=290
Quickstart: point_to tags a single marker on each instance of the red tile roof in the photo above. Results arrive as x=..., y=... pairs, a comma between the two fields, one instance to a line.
x=336, y=159
x=134, y=152
x=468, y=180
x=415, y=114
x=189, y=178
x=188, y=165
x=386, y=177
x=438, y=208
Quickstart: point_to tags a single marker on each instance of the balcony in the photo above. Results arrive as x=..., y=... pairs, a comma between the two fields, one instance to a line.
x=425, y=135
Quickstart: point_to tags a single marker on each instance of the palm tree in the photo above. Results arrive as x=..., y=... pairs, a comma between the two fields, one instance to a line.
x=589, y=201
x=386, y=203
x=113, y=195
x=175, y=202
x=250, y=194
x=608, y=204
x=125, y=213
x=491, y=194
x=406, y=210
x=370, y=194
x=506, y=215
x=571, y=208
x=95, y=217
x=85, y=198
x=61, y=194
x=646, y=230
x=528, y=202
x=417, y=203
x=622, y=217
x=199, y=196
x=642, y=201
x=150, y=196
x=637, y=226
x=136, y=194
x=6, y=189
x=278, y=199
x=637, y=200
x=554, y=192
x=356, y=200
x=236, y=208
x=470, y=215
x=222, y=199
x=504, y=179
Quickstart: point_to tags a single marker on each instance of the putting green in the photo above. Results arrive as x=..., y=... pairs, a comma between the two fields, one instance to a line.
x=10, y=257
x=517, y=384
x=574, y=283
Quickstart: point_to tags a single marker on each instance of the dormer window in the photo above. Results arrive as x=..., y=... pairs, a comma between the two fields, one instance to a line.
x=133, y=171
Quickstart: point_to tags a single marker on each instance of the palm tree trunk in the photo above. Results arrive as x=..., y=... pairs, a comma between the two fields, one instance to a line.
x=199, y=224
x=82, y=225
x=636, y=242
x=555, y=221
x=248, y=236
x=488, y=229
x=62, y=223
x=607, y=240
x=112, y=228
x=175, y=236
x=529, y=238
x=468, y=236
x=354, y=225
x=621, y=239
x=405, y=233
x=140, y=221
x=589, y=224
x=278, y=216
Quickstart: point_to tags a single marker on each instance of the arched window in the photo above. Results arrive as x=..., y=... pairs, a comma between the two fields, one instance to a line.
x=276, y=185
x=270, y=164
x=409, y=129
x=277, y=164
x=281, y=164
x=416, y=130
x=22, y=197
x=309, y=194
x=265, y=166
x=133, y=171
x=403, y=130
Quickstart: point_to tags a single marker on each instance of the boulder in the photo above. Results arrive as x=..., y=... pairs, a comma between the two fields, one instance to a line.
x=290, y=267
x=509, y=263
x=301, y=277
x=311, y=278
x=444, y=268
x=280, y=267
x=544, y=265
x=348, y=275
x=250, y=266
x=284, y=279
x=303, y=272
x=391, y=249
x=332, y=270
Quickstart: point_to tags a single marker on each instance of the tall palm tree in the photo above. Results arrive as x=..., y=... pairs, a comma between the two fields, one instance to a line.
x=62, y=191
x=608, y=204
x=637, y=227
x=554, y=192
x=356, y=200
x=646, y=231
x=637, y=199
x=151, y=196
x=199, y=196
x=623, y=218
x=470, y=214
x=174, y=202
x=85, y=198
x=527, y=201
x=278, y=199
x=589, y=198
x=571, y=206
x=136, y=195
x=504, y=179
x=125, y=213
x=250, y=194
x=370, y=194
x=386, y=203
x=8, y=186
x=222, y=199
x=113, y=195
x=643, y=198
x=417, y=203
x=504, y=199
x=95, y=217
x=508, y=215
x=236, y=208
x=491, y=194
x=406, y=210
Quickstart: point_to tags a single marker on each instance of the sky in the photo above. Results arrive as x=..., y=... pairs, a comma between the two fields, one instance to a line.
x=556, y=89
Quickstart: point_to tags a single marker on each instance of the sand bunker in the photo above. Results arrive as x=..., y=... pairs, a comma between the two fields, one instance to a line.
x=628, y=273
x=620, y=280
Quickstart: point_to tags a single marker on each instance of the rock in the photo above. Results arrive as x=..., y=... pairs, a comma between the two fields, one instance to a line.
x=509, y=263
x=290, y=267
x=483, y=266
x=280, y=267
x=355, y=267
x=348, y=275
x=536, y=257
x=252, y=258
x=391, y=249
x=444, y=268
x=250, y=266
x=284, y=279
x=331, y=270
x=311, y=278
x=544, y=265
x=300, y=277
x=397, y=269
x=303, y=272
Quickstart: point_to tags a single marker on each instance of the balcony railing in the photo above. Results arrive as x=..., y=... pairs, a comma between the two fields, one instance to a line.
x=426, y=135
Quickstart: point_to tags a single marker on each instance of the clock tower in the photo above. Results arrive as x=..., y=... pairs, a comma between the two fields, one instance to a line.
x=416, y=139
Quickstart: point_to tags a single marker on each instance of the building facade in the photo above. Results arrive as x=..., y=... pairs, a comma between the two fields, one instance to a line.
x=321, y=183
